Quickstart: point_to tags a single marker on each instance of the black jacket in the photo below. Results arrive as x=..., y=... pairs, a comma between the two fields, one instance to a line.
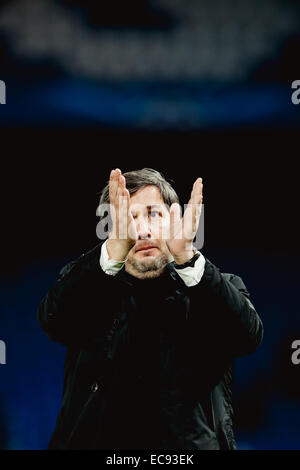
x=149, y=363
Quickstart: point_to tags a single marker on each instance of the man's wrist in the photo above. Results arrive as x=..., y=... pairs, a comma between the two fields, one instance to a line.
x=184, y=257
x=117, y=249
x=109, y=266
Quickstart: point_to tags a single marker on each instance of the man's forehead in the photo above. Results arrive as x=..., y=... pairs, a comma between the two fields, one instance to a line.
x=147, y=196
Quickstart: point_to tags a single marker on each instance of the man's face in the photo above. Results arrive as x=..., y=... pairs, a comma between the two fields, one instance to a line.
x=150, y=254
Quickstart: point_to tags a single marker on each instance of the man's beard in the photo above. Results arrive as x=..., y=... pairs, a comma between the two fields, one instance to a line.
x=146, y=268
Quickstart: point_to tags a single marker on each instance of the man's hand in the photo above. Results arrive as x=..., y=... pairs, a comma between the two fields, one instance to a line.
x=123, y=234
x=183, y=230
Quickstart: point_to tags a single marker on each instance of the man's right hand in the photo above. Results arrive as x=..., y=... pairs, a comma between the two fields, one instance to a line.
x=123, y=234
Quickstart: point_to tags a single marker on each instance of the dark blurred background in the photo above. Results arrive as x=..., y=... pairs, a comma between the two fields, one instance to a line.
x=190, y=88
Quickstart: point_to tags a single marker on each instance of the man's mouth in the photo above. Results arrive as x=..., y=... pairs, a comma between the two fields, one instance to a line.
x=145, y=248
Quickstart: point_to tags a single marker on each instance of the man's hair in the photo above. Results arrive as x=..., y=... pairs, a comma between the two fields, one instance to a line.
x=139, y=179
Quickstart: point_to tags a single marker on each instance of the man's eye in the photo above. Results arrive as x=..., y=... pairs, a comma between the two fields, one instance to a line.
x=154, y=214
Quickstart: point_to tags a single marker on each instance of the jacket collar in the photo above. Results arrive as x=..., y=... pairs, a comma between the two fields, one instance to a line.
x=170, y=276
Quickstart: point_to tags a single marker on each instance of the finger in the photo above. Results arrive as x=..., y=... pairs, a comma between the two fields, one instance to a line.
x=196, y=212
x=113, y=184
x=121, y=189
x=199, y=191
x=113, y=198
x=175, y=212
x=126, y=195
x=123, y=210
x=196, y=194
x=125, y=216
x=128, y=217
x=188, y=215
x=175, y=217
x=195, y=204
x=193, y=210
x=191, y=219
x=122, y=182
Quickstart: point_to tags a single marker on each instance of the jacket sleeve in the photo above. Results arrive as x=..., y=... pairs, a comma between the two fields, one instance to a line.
x=74, y=311
x=228, y=313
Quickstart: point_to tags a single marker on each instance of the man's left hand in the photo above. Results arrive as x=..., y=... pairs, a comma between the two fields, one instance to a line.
x=183, y=229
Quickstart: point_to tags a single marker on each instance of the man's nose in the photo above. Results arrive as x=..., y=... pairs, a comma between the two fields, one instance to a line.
x=143, y=230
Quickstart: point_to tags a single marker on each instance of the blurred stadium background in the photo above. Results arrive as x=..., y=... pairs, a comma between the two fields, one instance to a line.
x=191, y=88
